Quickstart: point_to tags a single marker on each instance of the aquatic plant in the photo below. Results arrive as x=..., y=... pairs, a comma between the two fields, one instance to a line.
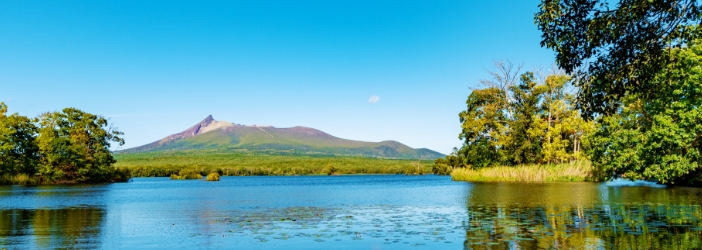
x=212, y=177
x=548, y=225
x=576, y=171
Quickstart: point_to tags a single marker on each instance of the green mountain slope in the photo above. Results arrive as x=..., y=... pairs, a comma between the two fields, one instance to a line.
x=211, y=134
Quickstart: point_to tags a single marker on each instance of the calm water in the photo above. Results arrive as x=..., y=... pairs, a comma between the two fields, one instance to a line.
x=349, y=212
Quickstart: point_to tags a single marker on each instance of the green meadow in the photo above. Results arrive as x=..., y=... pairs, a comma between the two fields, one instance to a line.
x=227, y=163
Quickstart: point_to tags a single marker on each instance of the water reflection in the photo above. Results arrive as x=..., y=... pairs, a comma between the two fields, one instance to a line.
x=348, y=212
x=75, y=227
x=511, y=216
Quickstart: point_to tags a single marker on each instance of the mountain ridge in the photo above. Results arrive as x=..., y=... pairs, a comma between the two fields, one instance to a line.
x=213, y=134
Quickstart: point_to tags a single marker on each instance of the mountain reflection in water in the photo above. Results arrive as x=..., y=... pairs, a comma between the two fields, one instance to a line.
x=349, y=212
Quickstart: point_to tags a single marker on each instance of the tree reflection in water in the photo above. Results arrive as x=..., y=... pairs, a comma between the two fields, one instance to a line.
x=547, y=216
x=75, y=227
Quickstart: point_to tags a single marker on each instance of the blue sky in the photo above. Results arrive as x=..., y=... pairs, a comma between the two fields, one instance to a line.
x=157, y=67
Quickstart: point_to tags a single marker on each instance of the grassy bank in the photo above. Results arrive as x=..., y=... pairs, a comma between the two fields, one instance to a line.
x=19, y=179
x=115, y=175
x=577, y=171
x=164, y=164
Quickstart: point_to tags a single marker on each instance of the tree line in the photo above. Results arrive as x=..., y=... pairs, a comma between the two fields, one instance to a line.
x=636, y=72
x=527, y=118
x=68, y=146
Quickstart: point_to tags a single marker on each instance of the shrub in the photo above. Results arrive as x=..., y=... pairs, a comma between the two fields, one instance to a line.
x=212, y=177
x=441, y=169
x=329, y=170
x=186, y=174
x=415, y=168
x=121, y=175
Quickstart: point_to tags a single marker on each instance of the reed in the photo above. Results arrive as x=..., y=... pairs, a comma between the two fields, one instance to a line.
x=19, y=179
x=566, y=172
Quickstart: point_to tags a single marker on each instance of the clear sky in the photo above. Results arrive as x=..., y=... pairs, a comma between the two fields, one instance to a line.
x=361, y=70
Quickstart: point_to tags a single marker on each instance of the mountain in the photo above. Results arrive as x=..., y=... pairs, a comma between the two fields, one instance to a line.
x=222, y=135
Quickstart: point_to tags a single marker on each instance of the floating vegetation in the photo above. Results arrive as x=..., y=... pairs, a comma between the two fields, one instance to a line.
x=385, y=224
x=611, y=226
x=19, y=179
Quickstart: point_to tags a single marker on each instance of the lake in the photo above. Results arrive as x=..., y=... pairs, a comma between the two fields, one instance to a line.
x=348, y=212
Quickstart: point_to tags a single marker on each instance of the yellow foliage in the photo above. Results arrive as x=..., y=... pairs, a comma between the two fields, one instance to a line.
x=212, y=177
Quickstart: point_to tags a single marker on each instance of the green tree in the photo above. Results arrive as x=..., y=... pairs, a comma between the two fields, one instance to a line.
x=523, y=139
x=660, y=138
x=508, y=123
x=74, y=147
x=444, y=166
x=616, y=51
x=484, y=123
x=563, y=122
x=18, y=150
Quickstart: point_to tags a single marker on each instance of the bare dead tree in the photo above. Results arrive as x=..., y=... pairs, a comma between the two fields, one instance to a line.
x=504, y=77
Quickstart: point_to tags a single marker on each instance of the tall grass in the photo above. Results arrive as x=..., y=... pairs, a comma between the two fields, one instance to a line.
x=118, y=175
x=19, y=179
x=165, y=164
x=567, y=172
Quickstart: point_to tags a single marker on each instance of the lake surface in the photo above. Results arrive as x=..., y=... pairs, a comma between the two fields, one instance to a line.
x=348, y=212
